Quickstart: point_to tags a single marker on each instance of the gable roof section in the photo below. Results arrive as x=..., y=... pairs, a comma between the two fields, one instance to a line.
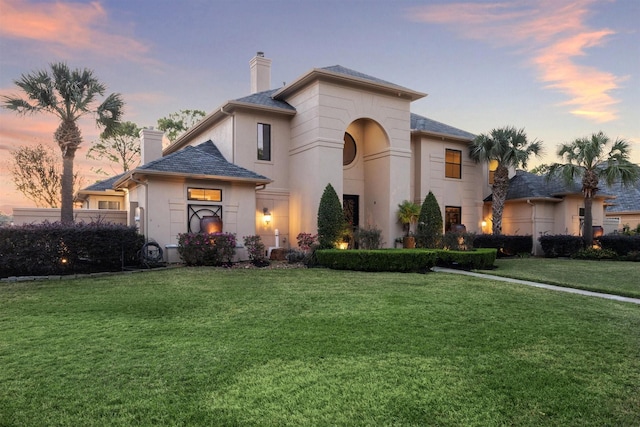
x=344, y=75
x=106, y=184
x=202, y=161
x=264, y=99
x=432, y=127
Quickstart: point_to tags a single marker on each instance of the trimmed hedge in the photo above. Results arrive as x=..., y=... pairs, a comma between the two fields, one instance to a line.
x=560, y=245
x=397, y=260
x=505, y=244
x=57, y=249
x=479, y=259
x=621, y=244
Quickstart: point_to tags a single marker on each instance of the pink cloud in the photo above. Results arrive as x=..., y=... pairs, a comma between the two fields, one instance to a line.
x=63, y=26
x=551, y=33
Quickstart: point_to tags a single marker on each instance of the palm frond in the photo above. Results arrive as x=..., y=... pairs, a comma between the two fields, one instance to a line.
x=109, y=113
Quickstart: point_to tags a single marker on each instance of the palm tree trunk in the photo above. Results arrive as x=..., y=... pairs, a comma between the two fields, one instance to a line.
x=587, y=232
x=500, y=188
x=68, y=138
x=66, y=210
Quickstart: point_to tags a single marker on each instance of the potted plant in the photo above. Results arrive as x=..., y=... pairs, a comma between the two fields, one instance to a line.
x=408, y=213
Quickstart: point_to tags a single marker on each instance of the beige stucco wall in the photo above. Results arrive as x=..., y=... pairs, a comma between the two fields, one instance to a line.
x=429, y=175
x=166, y=208
x=221, y=133
x=37, y=215
x=92, y=200
x=381, y=179
x=632, y=219
x=540, y=217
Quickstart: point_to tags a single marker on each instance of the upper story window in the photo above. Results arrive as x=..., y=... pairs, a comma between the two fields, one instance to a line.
x=453, y=164
x=493, y=165
x=264, y=141
x=204, y=194
x=103, y=204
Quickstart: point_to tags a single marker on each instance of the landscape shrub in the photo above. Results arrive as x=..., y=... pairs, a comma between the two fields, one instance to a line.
x=256, y=250
x=621, y=244
x=295, y=256
x=631, y=256
x=507, y=245
x=563, y=245
x=479, y=259
x=394, y=260
x=213, y=249
x=595, y=254
x=368, y=238
x=57, y=248
x=459, y=241
x=306, y=240
x=331, y=222
x=429, y=232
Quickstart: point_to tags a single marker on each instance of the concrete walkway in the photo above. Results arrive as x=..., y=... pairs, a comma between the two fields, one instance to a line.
x=538, y=285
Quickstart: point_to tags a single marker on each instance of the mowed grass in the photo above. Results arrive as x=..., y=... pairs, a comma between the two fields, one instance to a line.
x=614, y=277
x=211, y=347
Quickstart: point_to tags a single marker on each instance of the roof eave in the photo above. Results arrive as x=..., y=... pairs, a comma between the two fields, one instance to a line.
x=440, y=135
x=268, y=108
x=322, y=74
x=145, y=172
x=536, y=199
x=576, y=193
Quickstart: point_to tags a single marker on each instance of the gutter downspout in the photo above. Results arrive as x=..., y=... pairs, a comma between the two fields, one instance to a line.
x=146, y=205
x=533, y=226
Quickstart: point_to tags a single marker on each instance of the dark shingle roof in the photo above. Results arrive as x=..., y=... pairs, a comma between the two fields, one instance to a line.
x=106, y=184
x=526, y=185
x=339, y=69
x=421, y=123
x=203, y=159
x=627, y=200
x=265, y=98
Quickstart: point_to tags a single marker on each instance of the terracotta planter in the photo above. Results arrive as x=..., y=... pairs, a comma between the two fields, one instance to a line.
x=409, y=242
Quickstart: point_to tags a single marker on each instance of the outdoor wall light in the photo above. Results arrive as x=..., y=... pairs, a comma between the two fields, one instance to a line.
x=266, y=216
x=484, y=224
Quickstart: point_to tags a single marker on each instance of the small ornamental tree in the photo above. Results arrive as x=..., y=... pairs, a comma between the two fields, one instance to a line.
x=331, y=222
x=429, y=223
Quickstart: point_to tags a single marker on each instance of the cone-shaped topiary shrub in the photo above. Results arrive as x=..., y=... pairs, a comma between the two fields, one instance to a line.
x=331, y=222
x=429, y=233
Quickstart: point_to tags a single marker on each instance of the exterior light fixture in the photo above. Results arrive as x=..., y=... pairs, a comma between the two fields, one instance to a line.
x=266, y=216
x=484, y=224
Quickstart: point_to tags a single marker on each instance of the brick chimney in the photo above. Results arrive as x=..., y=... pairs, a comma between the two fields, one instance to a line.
x=260, y=73
x=150, y=145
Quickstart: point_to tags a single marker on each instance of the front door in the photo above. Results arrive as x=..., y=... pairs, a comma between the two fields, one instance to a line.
x=351, y=208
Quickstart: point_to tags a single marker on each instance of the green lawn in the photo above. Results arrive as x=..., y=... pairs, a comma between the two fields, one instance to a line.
x=614, y=277
x=204, y=346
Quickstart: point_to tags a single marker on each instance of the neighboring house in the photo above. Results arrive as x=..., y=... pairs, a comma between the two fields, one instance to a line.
x=273, y=152
x=537, y=206
x=623, y=210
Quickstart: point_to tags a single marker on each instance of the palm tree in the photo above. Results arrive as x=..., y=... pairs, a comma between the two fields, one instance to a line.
x=587, y=158
x=509, y=147
x=69, y=95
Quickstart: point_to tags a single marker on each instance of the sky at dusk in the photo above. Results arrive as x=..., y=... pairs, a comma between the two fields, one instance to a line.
x=560, y=69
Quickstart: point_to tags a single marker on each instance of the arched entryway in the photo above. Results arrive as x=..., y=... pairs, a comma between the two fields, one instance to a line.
x=366, y=175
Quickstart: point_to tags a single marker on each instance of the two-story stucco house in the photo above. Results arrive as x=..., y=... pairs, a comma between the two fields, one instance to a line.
x=260, y=163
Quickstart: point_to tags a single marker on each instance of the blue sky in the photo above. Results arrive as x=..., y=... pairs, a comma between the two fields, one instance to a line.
x=559, y=69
